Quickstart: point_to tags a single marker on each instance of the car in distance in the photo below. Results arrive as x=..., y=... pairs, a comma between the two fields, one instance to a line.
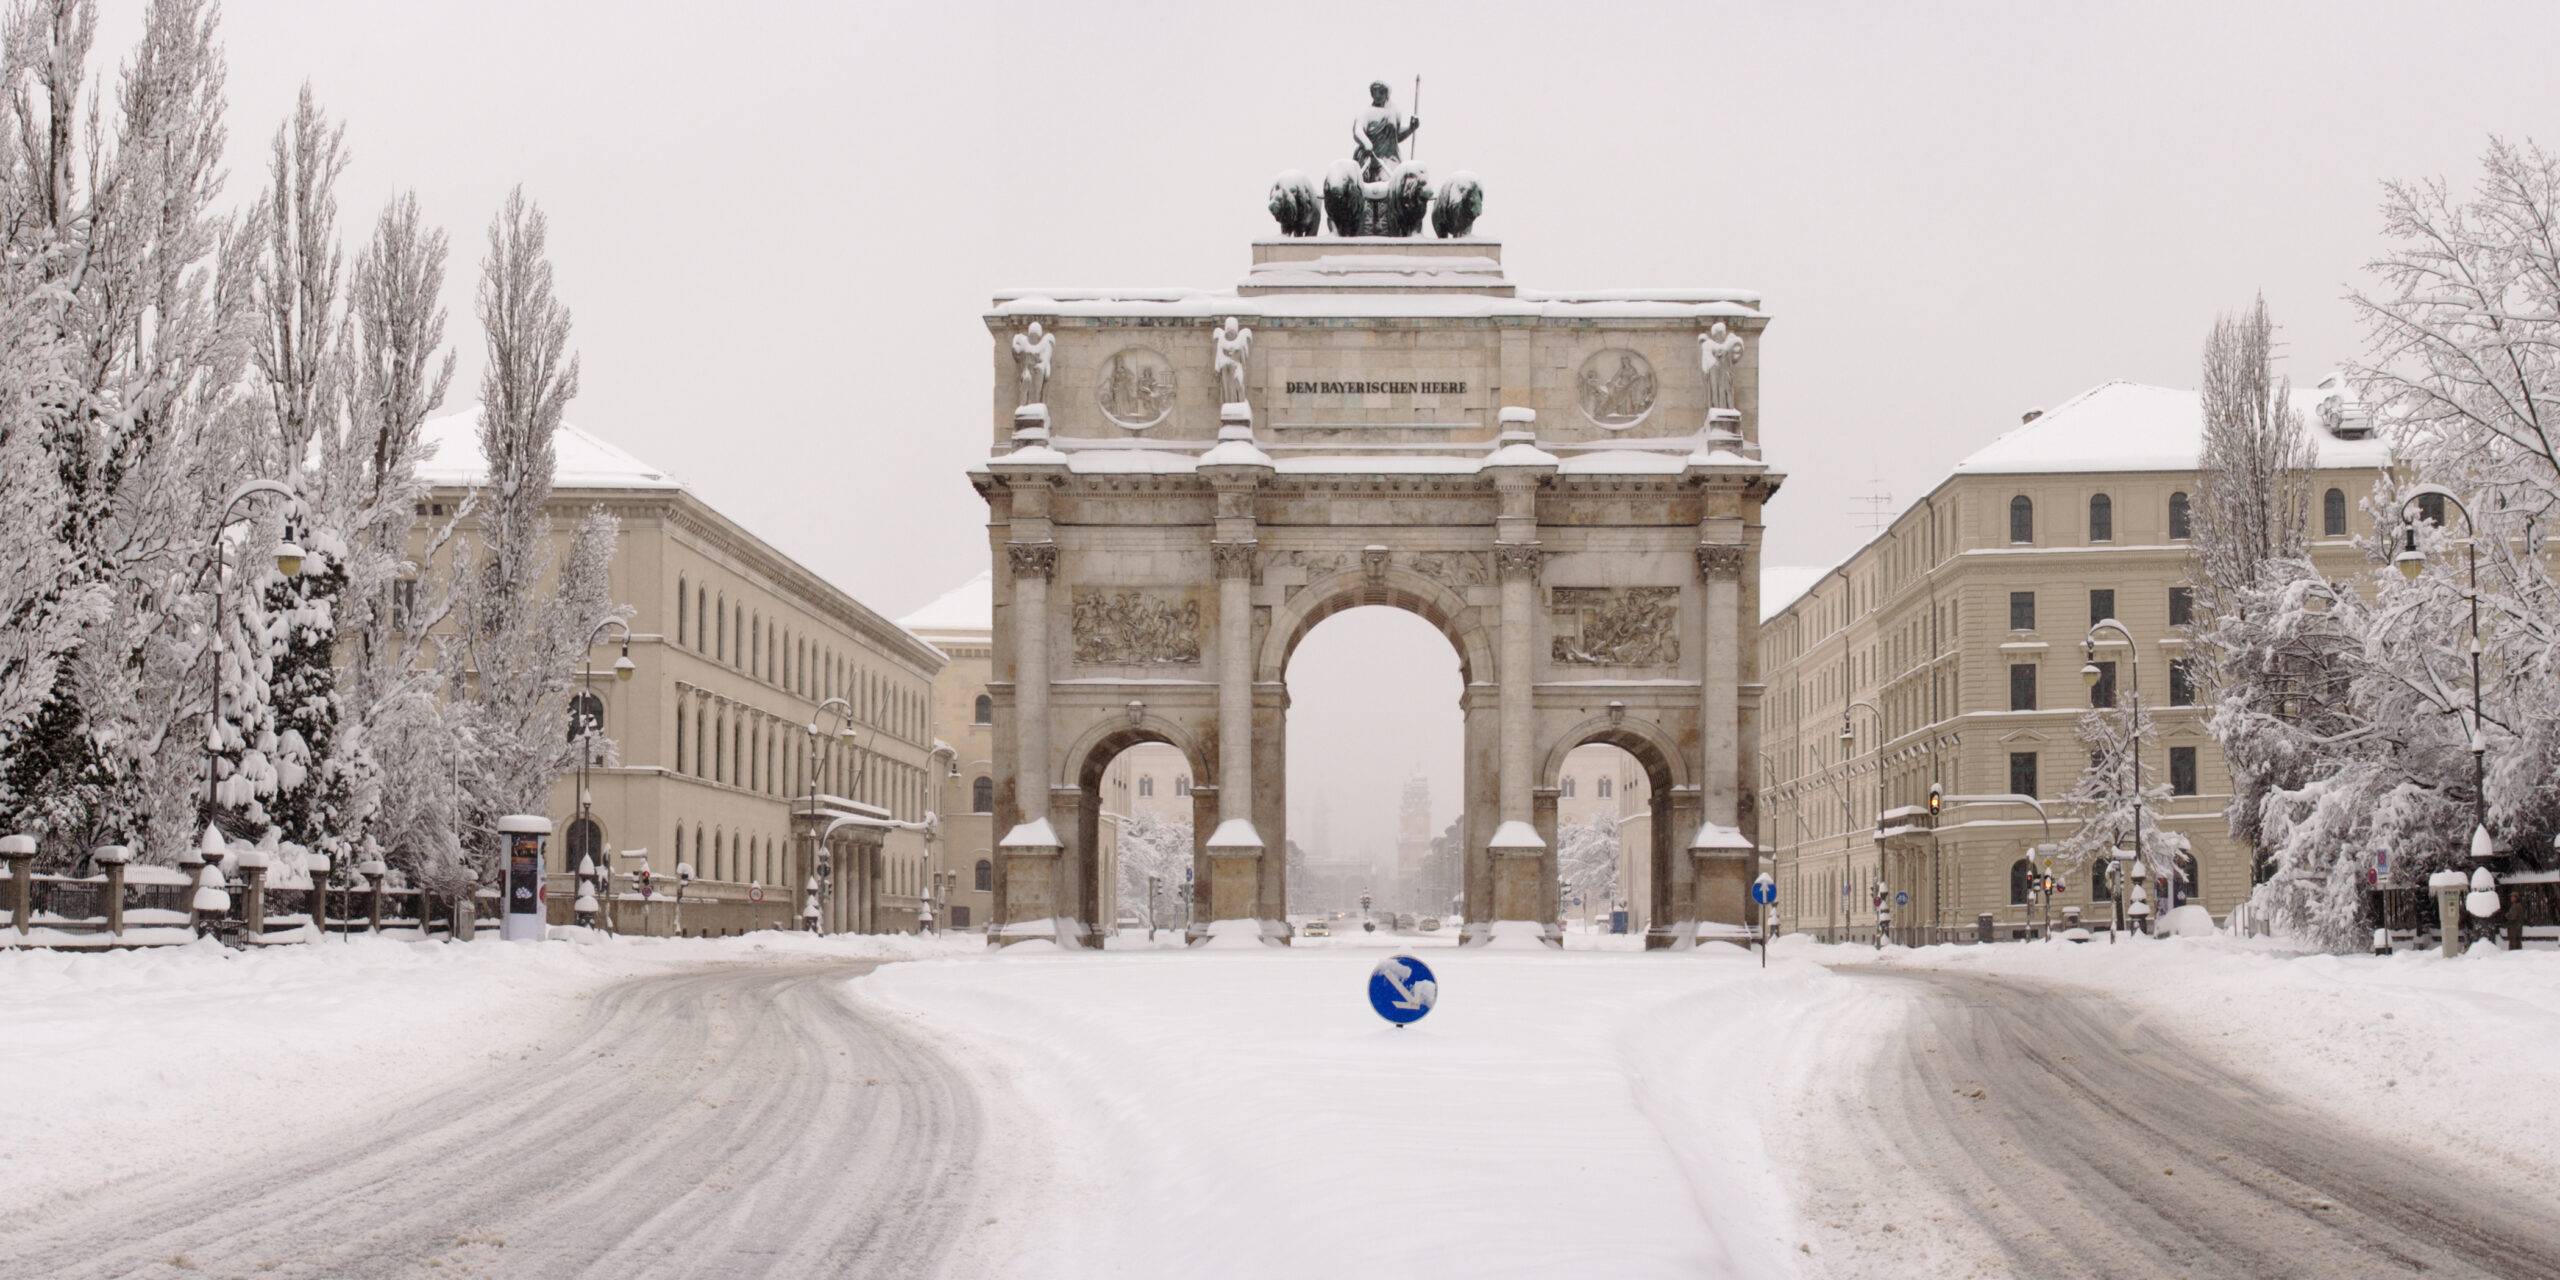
x=1315, y=929
x=1429, y=924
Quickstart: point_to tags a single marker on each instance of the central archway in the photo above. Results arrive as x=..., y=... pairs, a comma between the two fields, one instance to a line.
x=1374, y=774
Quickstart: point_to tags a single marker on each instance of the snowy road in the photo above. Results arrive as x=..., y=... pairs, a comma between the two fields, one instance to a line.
x=2007, y=1126
x=734, y=1120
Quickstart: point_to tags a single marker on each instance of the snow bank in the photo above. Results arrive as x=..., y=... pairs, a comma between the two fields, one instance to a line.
x=2460, y=1057
x=123, y=1061
x=1245, y=1113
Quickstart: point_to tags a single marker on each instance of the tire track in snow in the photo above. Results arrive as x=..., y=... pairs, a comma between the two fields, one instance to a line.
x=738, y=1120
x=2080, y=1142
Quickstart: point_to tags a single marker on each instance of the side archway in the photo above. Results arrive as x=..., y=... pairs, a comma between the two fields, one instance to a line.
x=1089, y=865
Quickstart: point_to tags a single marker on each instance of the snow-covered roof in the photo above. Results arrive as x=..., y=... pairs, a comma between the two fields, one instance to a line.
x=1782, y=584
x=966, y=611
x=2132, y=426
x=2112, y=427
x=1210, y=304
x=584, y=460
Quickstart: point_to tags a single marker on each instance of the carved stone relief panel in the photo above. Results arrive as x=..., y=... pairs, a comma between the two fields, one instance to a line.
x=1616, y=626
x=1135, y=627
x=1616, y=388
x=1453, y=568
x=1135, y=388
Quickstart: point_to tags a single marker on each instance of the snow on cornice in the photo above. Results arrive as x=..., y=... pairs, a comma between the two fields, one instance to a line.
x=1206, y=304
x=451, y=444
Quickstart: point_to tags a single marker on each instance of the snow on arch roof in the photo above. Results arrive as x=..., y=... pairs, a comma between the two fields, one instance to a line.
x=965, y=610
x=584, y=460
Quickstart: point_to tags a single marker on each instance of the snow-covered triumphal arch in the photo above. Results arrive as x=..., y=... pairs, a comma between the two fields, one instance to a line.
x=1183, y=483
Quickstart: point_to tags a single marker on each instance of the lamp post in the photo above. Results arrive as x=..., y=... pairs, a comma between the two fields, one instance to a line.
x=812, y=767
x=288, y=563
x=623, y=670
x=2090, y=675
x=2411, y=563
x=1848, y=744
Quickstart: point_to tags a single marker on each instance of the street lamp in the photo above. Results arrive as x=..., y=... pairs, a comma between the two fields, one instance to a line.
x=2411, y=563
x=1848, y=742
x=2090, y=675
x=289, y=556
x=813, y=765
x=623, y=670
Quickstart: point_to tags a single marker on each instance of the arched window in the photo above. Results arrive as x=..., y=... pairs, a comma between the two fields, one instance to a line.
x=2021, y=876
x=2022, y=519
x=986, y=709
x=982, y=796
x=1146, y=785
x=2333, y=514
x=701, y=619
x=1182, y=785
x=1606, y=785
x=2102, y=518
x=684, y=614
x=1567, y=790
x=585, y=841
x=986, y=875
x=680, y=737
x=586, y=715
x=720, y=637
x=2431, y=508
x=2180, y=525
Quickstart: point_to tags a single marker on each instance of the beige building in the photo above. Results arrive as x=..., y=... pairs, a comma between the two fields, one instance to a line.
x=739, y=650
x=1602, y=784
x=1952, y=644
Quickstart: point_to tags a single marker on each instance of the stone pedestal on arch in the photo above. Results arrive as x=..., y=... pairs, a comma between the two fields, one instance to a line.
x=1548, y=479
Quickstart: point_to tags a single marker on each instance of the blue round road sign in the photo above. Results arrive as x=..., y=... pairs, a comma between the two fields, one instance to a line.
x=1902, y=899
x=1764, y=893
x=1402, y=989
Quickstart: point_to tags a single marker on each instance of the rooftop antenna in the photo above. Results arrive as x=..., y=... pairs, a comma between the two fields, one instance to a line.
x=1872, y=511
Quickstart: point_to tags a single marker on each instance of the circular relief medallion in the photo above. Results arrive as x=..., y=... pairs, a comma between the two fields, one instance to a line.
x=1135, y=388
x=1616, y=388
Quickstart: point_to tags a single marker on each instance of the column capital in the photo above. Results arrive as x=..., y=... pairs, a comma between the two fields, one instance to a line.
x=1518, y=560
x=1032, y=559
x=1234, y=558
x=1719, y=560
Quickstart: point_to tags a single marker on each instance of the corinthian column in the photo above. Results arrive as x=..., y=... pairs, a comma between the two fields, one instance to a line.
x=1032, y=563
x=1235, y=682
x=1722, y=861
x=1522, y=863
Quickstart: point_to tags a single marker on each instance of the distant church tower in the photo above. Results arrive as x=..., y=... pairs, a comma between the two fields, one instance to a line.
x=1413, y=825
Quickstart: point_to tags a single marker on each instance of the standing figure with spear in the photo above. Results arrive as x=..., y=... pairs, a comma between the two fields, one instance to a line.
x=1378, y=133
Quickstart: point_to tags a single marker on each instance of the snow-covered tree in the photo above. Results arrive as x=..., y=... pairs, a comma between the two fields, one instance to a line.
x=2251, y=513
x=1152, y=847
x=526, y=612
x=1587, y=861
x=2102, y=800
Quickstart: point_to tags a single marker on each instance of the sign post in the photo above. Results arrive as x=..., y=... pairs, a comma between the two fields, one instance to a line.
x=524, y=919
x=1764, y=895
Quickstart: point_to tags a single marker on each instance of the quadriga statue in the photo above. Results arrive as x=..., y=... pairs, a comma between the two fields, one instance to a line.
x=1295, y=204
x=1461, y=202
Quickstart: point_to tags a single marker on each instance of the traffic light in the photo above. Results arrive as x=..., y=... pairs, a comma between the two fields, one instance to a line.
x=1937, y=799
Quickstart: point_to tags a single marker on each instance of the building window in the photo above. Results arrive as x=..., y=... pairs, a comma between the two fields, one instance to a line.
x=2021, y=875
x=986, y=710
x=2102, y=518
x=2182, y=771
x=2181, y=525
x=680, y=738
x=2098, y=890
x=2022, y=611
x=586, y=715
x=2102, y=604
x=1146, y=786
x=2333, y=514
x=1568, y=787
x=2185, y=865
x=2022, y=773
x=2182, y=683
x=1182, y=785
x=2103, y=693
x=684, y=610
x=2022, y=686
x=2022, y=519
x=986, y=875
x=585, y=841
x=1605, y=787
x=982, y=796
x=404, y=603
x=2431, y=508
x=2182, y=606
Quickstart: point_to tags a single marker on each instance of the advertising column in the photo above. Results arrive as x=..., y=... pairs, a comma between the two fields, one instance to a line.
x=526, y=918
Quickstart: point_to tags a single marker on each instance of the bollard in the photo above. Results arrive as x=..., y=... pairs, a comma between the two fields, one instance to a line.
x=113, y=857
x=373, y=870
x=2382, y=942
x=252, y=862
x=18, y=858
x=1982, y=927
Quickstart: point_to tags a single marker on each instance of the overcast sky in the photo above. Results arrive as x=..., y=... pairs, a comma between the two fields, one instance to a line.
x=777, y=224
